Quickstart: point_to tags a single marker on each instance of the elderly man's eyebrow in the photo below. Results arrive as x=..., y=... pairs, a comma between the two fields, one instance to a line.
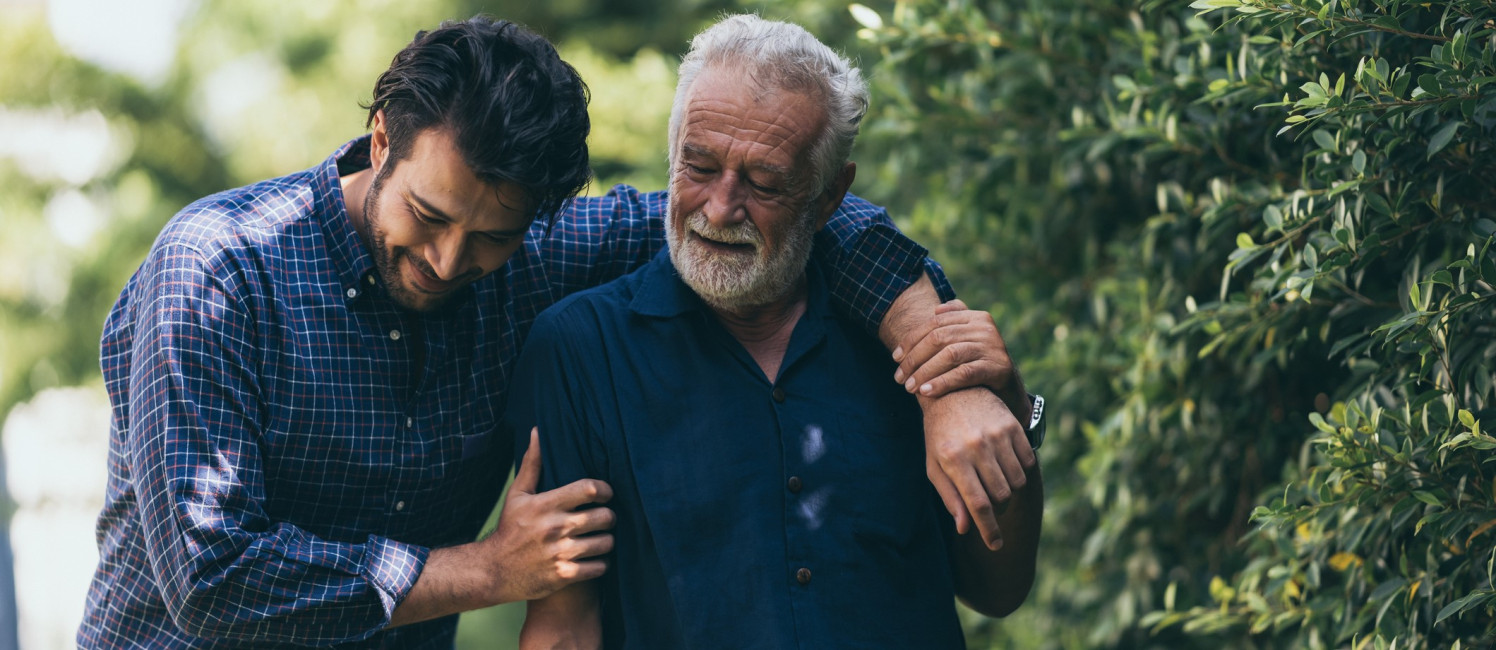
x=695, y=150
x=698, y=151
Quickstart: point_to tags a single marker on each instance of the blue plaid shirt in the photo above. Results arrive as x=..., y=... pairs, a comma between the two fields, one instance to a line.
x=279, y=467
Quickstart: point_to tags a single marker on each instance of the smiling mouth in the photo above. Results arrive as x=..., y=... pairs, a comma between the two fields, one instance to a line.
x=719, y=246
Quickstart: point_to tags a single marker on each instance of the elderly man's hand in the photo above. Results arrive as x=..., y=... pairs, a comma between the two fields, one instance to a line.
x=975, y=455
x=976, y=451
x=959, y=348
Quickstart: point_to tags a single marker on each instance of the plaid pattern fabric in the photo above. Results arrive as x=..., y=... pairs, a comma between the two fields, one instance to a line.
x=279, y=467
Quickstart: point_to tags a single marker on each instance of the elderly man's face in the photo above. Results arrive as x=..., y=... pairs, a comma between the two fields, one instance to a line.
x=742, y=210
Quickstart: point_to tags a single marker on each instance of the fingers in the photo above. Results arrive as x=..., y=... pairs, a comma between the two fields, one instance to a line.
x=949, y=496
x=527, y=477
x=965, y=340
x=974, y=495
x=573, y=572
x=590, y=520
x=589, y=546
x=954, y=305
x=579, y=493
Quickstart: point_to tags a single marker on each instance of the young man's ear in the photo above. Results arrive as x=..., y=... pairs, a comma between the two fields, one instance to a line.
x=835, y=193
x=379, y=143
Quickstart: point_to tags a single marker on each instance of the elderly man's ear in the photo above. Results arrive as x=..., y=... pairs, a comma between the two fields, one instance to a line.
x=832, y=198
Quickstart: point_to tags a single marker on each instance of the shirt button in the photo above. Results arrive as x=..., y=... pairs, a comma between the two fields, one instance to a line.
x=400, y=505
x=394, y=335
x=794, y=484
x=410, y=423
x=370, y=279
x=803, y=576
x=778, y=394
x=352, y=292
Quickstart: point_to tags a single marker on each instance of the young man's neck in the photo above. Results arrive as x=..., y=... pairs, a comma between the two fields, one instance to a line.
x=355, y=188
x=765, y=330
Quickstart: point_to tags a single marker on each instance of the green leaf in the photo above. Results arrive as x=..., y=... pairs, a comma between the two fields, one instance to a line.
x=1273, y=217
x=1470, y=600
x=1485, y=227
x=1358, y=162
x=1442, y=137
x=1324, y=139
x=1376, y=202
x=1244, y=240
x=1467, y=419
x=1427, y=497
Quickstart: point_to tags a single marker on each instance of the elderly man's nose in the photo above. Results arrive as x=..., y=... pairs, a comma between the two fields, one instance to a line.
x=725, y=202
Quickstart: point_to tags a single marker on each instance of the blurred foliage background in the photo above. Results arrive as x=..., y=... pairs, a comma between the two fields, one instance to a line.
x=1243, y=246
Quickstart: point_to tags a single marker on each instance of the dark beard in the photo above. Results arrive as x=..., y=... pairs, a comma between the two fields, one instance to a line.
x=387, y=262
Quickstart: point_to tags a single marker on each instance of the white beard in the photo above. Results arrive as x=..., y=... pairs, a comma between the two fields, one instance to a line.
x=737, y=281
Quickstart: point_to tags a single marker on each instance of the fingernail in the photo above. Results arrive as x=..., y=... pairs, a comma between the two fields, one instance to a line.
x=898, y=375
x=909, y=385
x=898, y=353
x=926, y=389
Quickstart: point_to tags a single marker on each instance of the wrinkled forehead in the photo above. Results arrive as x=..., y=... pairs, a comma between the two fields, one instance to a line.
x=725, y=110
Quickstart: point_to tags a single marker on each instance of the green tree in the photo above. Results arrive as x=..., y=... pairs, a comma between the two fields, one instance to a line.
x=1231, y=317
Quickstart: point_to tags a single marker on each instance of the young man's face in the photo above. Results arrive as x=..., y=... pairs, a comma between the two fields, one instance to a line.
x=433, y=227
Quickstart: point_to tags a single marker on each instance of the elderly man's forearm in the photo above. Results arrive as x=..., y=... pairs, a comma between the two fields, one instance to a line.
x=996, y=583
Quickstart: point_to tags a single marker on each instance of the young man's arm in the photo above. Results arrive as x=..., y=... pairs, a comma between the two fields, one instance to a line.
x=225, y=568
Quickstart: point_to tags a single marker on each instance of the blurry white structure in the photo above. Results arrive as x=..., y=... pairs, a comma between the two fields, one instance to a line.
x=138, y=38
x=56, y=447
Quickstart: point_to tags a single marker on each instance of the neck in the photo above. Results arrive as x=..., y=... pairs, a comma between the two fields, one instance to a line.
x=355, y=188
x=764, y=330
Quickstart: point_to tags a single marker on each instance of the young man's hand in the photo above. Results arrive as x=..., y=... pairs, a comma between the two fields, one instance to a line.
x=545, y=541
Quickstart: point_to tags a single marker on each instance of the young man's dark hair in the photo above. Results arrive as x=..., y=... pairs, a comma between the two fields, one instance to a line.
x=517, y=112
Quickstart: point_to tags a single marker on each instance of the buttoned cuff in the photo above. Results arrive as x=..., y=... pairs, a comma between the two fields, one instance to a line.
x=392, y=567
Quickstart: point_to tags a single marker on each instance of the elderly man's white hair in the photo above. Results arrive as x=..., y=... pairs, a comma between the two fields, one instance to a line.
x=781, y=56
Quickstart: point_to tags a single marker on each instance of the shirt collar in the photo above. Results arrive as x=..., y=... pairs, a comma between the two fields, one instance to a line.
x=354, y=264
x=662, y=293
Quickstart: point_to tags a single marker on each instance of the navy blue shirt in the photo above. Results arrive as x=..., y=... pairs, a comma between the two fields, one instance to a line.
x=751, y=513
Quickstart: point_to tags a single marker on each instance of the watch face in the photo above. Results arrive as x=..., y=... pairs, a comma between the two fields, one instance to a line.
x=1036, y=414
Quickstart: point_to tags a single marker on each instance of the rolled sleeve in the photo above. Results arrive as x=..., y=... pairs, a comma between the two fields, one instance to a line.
x=869, y=263
x=225, y=568
x=393, y=567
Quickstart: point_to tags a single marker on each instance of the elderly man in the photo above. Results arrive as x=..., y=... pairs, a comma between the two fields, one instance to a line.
x=767, y=479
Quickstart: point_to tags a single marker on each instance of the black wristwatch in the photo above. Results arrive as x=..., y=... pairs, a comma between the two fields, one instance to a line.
x=1035, y=428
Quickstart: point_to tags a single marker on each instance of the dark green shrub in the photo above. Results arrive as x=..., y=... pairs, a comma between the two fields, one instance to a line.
x=1249, y=256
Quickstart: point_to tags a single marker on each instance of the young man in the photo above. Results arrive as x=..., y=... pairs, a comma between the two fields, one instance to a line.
x=307, y=374
x=767, y=478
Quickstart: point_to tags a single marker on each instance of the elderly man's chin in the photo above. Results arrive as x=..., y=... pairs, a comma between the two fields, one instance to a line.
x=734, y=280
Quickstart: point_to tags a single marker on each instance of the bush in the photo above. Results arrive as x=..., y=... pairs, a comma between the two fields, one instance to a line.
x=1248, y=256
